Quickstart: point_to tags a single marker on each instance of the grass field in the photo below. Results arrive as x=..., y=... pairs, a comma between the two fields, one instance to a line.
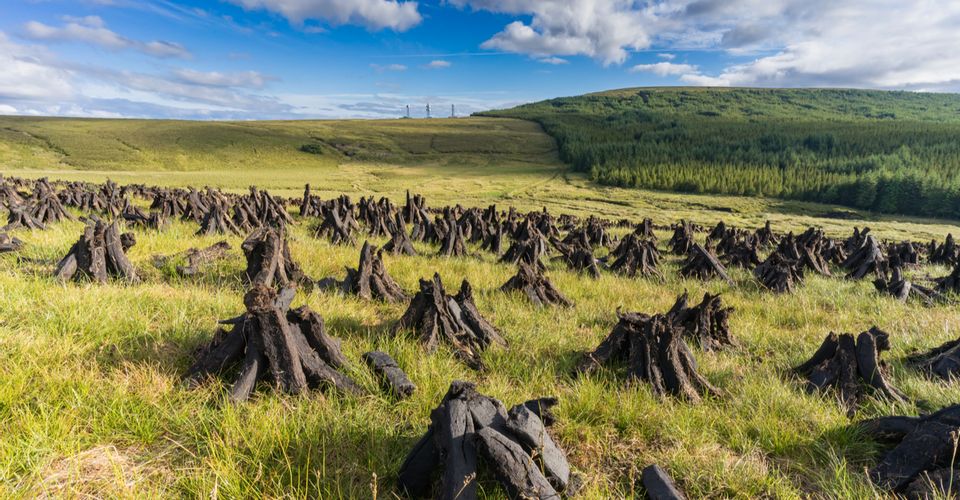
x=90, y=391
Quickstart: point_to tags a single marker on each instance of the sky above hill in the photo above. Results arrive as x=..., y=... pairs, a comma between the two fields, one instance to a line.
x=278, y=59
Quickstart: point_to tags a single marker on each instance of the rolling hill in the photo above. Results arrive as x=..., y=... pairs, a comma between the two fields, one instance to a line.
x=893, y=152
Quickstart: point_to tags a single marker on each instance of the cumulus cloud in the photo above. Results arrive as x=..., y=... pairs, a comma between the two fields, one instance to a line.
x=438, y=64
x=372, y=14
x=664, y=69
x=92, y=30
x=605, y=30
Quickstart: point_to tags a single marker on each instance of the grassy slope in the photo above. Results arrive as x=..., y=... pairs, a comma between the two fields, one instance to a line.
x=91, y=403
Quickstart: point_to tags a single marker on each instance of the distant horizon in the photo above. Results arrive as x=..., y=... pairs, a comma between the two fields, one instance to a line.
x=362, y=59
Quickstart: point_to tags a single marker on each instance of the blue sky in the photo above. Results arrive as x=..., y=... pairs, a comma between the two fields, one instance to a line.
x=257, y=59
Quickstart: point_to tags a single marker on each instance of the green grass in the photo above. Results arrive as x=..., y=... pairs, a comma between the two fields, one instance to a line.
x=91, y=400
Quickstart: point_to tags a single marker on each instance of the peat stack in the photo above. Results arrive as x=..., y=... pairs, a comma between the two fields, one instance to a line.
x=469, y=429
x=338, y=223
x=310, y=205
x=851, y=366
x=376, y=215
x=703, y=264
x=645, y=230
x=682, y=240
x=536, y=287
x=99, y=254
x=920, y=464
x=942, y=361
x=655, y=353
x=437, y=317
x=903, y=254
x=779, y=274
x=135, y=217
x=46, y=207
x=812, y=248
x=765, y=237
x=493, y=240
x=636, y=256
x=400, y=243
x=902, y=289
x=948, y=253
x=370, y=279
x=9, y=243
x=20, y=218
x=950, y=282
x=581, y=259
x=291, y=347
x=707, y=323
x=529, y=245
x=866, y=259
x=217, y=221
x=737, y=252
x=453, y=243
x=269, y=262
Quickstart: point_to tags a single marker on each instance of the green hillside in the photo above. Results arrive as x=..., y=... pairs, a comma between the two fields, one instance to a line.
x=893, y=152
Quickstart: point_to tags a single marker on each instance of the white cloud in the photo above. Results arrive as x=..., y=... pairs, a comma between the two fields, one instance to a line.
x=439, y=64
x=92, y=30
x=667, y=56
x=6, y=109
x=605, y=30
x=380, y=68
x=25, y=75
x=556, y=61
x=664, y=69
x=245, y=79
x=372, y=14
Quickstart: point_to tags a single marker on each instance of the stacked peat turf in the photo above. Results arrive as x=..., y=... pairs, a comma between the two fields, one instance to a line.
x=636, y=256
x=739, y=252
x=921, y=462
x=9, y=244
x=369, y=280
x=291, y=346
x=99, y=254
x=310, y=205
x=580, y=259
x=866, y=259
x=532, y=282
x=950, y=282
x=437, y=317
x=707, y=323
x=338, y=222
x=269, y=262
x=765, y=237
x=703, y=264
x=903, y=254
x=45, y=206
x=529, y=246
x=217, y=221
x=655, y=352
x=902, y=289
x=468, y=429
x=20, y=218
x=948, y=253
x=812, y=249
x=452, y=242
x=779, y=274
x=135, y=217
x=683, y=239
x=377, y=216
x=942, y=361
x=400, y=243
x=645, y=230
x=851, y=365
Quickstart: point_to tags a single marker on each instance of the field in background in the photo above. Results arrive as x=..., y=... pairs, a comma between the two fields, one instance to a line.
x=89, y=388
